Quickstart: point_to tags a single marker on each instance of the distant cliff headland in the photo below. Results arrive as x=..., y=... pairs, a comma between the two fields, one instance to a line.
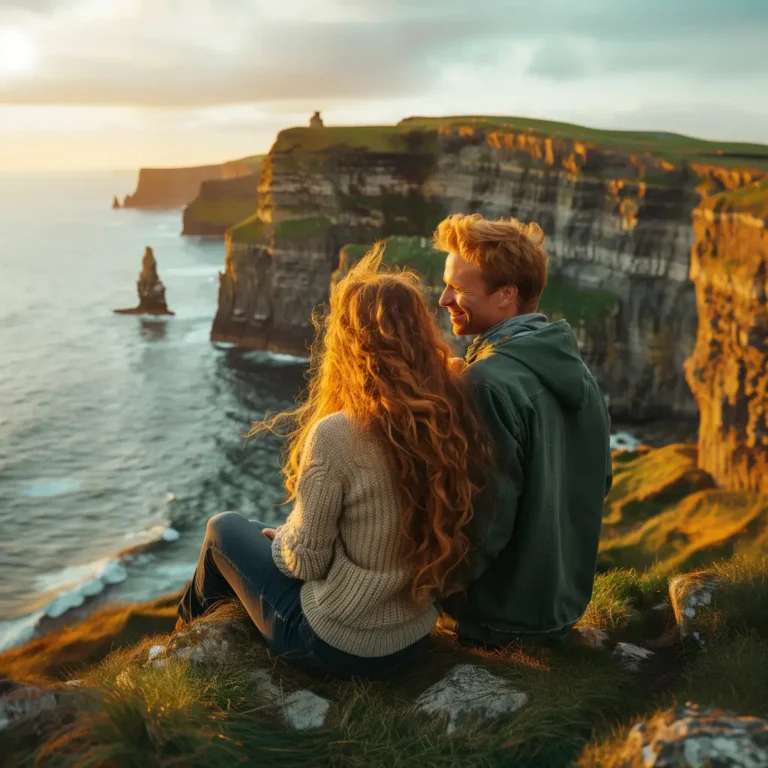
x=657, y=241
x=175, y=187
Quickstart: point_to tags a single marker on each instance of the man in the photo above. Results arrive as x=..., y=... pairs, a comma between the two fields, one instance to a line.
x=536, y=528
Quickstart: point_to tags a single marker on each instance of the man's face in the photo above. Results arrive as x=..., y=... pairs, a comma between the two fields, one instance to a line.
x=472, y=308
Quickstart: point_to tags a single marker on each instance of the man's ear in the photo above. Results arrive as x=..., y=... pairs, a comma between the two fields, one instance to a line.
x=508, y=296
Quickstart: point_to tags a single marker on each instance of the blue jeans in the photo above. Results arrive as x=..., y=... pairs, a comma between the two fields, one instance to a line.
x=236, y=563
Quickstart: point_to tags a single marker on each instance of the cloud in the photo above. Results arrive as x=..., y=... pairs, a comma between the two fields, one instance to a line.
x=562, y=59
x=188, y=55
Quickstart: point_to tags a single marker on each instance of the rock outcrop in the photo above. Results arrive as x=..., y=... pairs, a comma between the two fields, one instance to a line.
x=617, y=210
x=150, y=289
x=115, y=203
x=692, y=736
x=175, y=187
x=728, y=370
x=316, y=121
x=469, y=693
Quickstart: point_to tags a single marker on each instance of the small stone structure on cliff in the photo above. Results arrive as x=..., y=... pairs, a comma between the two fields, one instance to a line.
x=316, y=121
x=150, y=288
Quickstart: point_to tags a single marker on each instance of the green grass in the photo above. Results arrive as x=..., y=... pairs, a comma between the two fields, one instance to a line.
x=663, y=145
x=414, y=253
x=223, y=213
x=618, y=596
x=581, y=702
x=141, y=716
x=691, y=533
x=369, y=138
x=645, y=483
x=664, y=512
x=250, y=230
x=301, y=229
x=562, y=300
x=751, y=199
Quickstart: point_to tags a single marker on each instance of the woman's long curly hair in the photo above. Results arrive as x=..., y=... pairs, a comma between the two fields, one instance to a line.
x=380, y=357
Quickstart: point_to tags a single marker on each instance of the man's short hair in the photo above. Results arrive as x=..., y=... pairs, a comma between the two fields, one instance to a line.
x=505, y=251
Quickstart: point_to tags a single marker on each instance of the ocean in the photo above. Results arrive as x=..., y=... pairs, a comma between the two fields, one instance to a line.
x=119, y=435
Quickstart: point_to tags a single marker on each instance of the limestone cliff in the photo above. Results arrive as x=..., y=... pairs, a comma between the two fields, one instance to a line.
x=728, y=370
x=617, y=209
x=175, y=187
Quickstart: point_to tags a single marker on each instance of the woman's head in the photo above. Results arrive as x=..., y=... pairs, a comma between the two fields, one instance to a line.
x=380, y=357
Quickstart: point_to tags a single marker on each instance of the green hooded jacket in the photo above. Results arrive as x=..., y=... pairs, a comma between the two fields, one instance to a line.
x=535, y=529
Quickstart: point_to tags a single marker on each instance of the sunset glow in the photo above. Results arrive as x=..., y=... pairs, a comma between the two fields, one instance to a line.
x=18, y=54
x=85, y=84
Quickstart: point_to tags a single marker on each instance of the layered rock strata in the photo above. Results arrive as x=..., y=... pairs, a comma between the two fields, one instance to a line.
x=728, y=370
x=617, y=214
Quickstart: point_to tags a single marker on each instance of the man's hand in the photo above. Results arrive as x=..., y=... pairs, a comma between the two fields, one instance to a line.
x=269, y=533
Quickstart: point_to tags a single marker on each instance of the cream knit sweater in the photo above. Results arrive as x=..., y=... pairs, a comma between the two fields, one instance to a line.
x=342, y=538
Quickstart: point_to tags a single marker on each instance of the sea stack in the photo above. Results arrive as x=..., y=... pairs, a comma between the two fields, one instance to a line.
x=115, y=202
x=151, y=290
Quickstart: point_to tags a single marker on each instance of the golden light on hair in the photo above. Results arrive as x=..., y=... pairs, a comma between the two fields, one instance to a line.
x=380, y=357
x=506, y=251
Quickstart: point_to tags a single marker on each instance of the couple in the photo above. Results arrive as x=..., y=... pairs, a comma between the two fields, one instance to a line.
x=425, y=485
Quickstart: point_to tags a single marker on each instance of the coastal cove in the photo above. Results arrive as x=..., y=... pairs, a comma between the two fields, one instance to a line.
x=116, y=432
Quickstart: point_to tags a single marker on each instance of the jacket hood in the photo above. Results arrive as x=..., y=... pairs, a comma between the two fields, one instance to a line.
x=552, y=353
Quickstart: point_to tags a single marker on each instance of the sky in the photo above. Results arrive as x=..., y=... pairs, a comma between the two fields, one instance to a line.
x=121, y=84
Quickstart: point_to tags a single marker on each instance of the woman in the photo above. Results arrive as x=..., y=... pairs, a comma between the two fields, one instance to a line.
x=384, y=459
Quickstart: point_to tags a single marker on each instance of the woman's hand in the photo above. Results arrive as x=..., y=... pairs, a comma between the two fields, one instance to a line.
x=269, y=533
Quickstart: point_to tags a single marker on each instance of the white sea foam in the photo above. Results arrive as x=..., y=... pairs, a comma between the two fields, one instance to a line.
x=49, y=488
x=624, y=441
x=74, y=585
x=275, y=357
x=18, y=631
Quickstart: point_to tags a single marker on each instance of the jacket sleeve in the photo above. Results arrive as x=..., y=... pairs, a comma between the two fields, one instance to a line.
x=609, y=461
x=303, y=547
x=495, y=508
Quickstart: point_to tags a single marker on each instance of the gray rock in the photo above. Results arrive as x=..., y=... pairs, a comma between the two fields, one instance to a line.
x=20, y=702
x=304, y=709
x=209, y=642
x=589, y=637
x=695, y=737
x=468, y=692
x=38, y=710
x=692, y=595
x=301, y=709
x=631, y=656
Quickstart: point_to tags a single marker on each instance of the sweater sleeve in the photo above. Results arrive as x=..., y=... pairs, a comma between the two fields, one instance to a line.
x=495, y=509
x=303, y=547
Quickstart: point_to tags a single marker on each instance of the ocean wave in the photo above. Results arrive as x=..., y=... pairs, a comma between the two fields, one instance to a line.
x=73, y=586
x=49, y=488
x=623, y=441
x=274, y=357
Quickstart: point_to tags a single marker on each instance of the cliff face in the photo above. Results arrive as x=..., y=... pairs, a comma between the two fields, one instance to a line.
x=220, y=204
x=617, y=215
x=728, y=370
x=175, y=187
x=223, y=203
